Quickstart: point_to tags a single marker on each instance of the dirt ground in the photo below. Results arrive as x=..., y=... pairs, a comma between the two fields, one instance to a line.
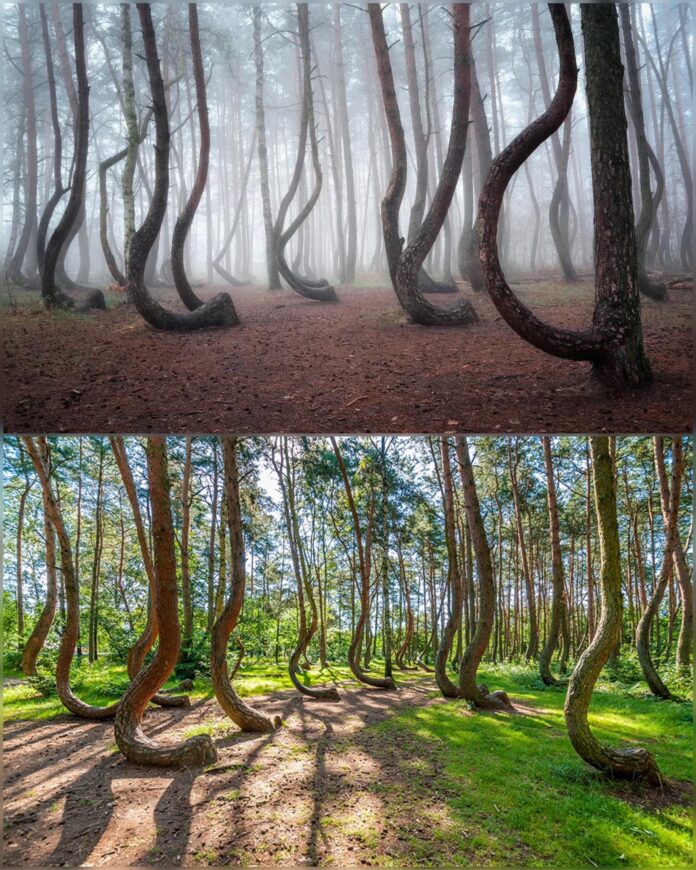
x=70, y=798
x=294, y=365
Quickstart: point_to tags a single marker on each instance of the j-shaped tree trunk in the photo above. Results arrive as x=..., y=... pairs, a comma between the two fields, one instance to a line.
x=241, y=713
x=305, y=593
x=614, y=343
x=185, y=219
x=647, y=205
x=405, y=266
x=558, y=604
x=146, y=640
x=53, y=296
x=454, y=580
x=131, y=740
x=218, y=311
x=320, y=289
x=478, y=694
x=643, y=630
x=38, y=636
x=40, y=458
x=363, y=550
x=626, y=763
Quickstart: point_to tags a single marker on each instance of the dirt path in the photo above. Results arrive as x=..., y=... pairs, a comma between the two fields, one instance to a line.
x=356, y=366
x=307, y=794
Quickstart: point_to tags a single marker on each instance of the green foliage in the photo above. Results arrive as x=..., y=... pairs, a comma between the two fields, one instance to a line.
x=43, y=683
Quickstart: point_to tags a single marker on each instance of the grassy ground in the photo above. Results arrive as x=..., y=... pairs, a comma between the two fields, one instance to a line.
x=517, y=794
x=102, y=682
x=452, y=787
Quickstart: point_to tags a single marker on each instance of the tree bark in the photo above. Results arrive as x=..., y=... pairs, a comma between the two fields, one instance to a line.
x=39, y=458
x=146, y=640
x=405, y=266
x=131, y=739
x=53, y=297
x=671, y=517
x=614, y=343
x=558, y=602
x=218, y=311
x=627, y=763
x=647, y=207
x=478, y=694
x=364, y=566
x=241, y=713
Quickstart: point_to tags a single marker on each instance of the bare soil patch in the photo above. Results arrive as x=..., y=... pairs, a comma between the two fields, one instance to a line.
x=358, y=365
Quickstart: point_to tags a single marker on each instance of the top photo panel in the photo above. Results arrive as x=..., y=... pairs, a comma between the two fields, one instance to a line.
x=347, y=218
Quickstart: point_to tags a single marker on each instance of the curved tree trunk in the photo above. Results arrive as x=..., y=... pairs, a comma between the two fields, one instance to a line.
x=39, y=457
x=131, y=740
x=38, y=636
x=405, y=266
x=144, y=643
x=627, y=763
x=219, y=311
x=478, y=694
x=304, y=589
x=614, y=343
x=241, y=713
x=454, y=580
x=320, y=289
x=53, y=297
x=185, y=219
x=643, y=630
x=647, y=205
x=363, y=559
x=558, y=604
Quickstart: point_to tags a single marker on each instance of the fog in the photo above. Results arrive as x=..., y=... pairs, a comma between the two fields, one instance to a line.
x=351, y=132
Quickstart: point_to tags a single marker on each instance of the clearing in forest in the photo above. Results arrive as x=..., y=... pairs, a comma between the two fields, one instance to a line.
x=293, y=365
x=381, y=778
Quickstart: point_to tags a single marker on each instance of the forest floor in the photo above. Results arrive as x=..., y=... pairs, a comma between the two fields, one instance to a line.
x=379, y=778
x=359, y=365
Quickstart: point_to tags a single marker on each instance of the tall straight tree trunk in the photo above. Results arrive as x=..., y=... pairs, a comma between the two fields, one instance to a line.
x=271, y=265
x=647, y=208
x=533, y=646
x=558, y=603
x=92, y=651
x=14, y=268
x=627, y=763
x=344, y=135
x=186, y=602
x=130, y=738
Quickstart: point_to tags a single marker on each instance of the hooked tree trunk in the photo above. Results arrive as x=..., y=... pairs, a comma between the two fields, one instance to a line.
x=241, y=713
x=363, y=550
x=478, y=694
x=218, y=311
x=405, y=266
x=131, y=739
x=40, y=457
x=671, y=517
x=627, y=763
x=614, y=344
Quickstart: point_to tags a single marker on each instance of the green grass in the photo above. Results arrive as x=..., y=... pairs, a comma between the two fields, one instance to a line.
x=102, y=683
x=513, y=791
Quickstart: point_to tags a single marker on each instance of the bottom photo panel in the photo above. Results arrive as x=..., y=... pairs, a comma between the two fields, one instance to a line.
x=383, y=650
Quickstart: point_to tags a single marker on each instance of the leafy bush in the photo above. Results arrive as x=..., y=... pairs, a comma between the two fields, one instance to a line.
x=196, y=661
x=44, y=683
